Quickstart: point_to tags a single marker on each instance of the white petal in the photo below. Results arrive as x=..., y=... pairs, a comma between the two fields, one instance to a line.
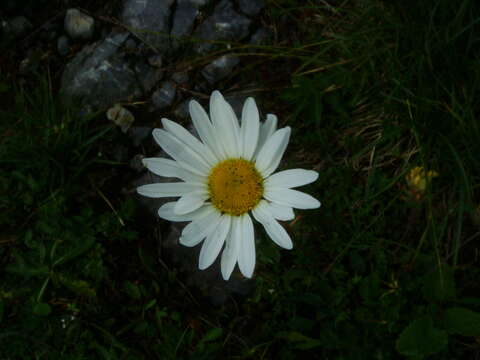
x=292, y=198
x=188, y=139
x=205, y=129
x=167, y=212
x=184, y=155
x=170, y=168
x=276, y=231
x=291, y=178
x=269, y=157
x=266, y=130
x=246, y=255
x=280, y=212
x=230, y=253
x=250, y=128
x=225, y=124
x=213, y=244
x=159, y=190
x=190, y=202
x=200, y=228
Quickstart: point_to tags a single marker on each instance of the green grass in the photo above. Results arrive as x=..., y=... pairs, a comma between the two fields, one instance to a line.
x=382, y=270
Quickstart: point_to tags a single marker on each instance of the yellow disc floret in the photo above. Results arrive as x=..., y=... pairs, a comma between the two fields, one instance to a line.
x=235, y=186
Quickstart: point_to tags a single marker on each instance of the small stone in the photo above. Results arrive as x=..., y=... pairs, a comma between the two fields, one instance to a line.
x=63, y=45
x=259, y=37
x=183, y=20
x=130, y=45
x=180, y=77
x=79, y=26
x=136, y=163
x=225, y=24
x=17, y=26
x=155, y=60
x=197, y=3
x=147, y=75
x=120, y=117
x=163, y=97
x=100, y=76
x=182, y=110
x=251, y=7
x=220, y=68
x=149, y=20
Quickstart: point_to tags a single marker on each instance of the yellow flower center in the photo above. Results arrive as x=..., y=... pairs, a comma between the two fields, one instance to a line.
x=235, y=186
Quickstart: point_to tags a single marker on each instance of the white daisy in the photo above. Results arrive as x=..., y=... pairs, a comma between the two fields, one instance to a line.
x=227, y=176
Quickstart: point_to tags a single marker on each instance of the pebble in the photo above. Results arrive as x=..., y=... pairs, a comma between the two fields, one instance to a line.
x=219, y=68
x=163, y=97
x=78, y=25
x=63, y=45
x=156, y=60
x=251, y=7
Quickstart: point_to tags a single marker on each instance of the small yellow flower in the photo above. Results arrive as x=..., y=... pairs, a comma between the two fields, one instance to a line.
x=417, y=179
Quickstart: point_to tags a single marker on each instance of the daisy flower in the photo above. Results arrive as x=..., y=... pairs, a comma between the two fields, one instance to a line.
x=228, y=175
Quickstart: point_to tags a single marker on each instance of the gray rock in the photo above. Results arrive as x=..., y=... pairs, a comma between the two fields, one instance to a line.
x=163, y=97
x=99, y=76
x=183, y=20
x=182, y=110
x=259, y=37
x=16, y=27
x=136, y=163
x=197, y=3
x=219, y=68
x=63, y=45
x=149, y=20
x=156, y=60
x=180, y=77
x=224, y=24
x=251, y=7
x=78, y=25
x=130, y=45
x=147, y=75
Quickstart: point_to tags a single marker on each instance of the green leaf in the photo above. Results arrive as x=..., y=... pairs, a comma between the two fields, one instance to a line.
x=42, y=309
x=20, y=267
x=439, y=286
x=132, y=290
x=370, y=288
x=212, y=334
x=420, y=338
x=299, y=340
x=85, y=245
x=2, y=307
x=4, y=87
x=462, y=321
x=79, y=287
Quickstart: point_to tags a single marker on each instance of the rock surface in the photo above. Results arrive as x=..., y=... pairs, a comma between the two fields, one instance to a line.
x=225, y=24
x=149, y=20
x=163, y=96
x=78, y=26
x=251, y=7
x=183, y=20
x=219, y=68
x=99, y=76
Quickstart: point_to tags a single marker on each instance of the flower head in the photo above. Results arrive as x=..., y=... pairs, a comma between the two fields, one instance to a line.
x=227, y=176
